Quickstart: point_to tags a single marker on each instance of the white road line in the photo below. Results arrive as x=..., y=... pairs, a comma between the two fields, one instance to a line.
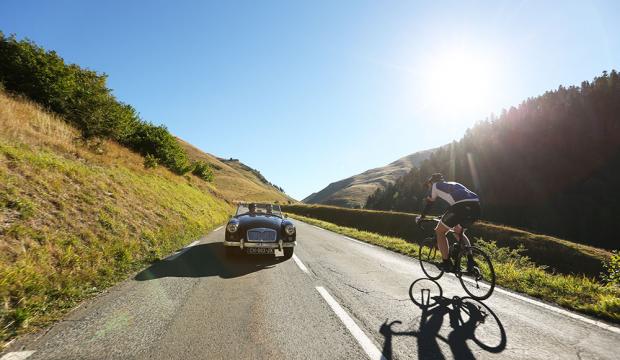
x=300, y=264
x=346, y=237
x=218, y=229
x=17, y=355
x=368, y=346
x=180, y=252
x=357, y=241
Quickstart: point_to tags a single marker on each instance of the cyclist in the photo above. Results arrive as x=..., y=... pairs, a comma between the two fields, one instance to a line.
x=463, y=210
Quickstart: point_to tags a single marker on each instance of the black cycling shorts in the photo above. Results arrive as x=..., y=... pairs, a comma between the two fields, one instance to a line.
x=463, y=213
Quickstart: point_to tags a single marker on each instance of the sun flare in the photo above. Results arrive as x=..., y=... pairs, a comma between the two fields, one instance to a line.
x=459, y=81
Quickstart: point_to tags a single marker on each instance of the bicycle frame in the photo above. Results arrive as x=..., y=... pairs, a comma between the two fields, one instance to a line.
x=460, y=248
x=464, y=247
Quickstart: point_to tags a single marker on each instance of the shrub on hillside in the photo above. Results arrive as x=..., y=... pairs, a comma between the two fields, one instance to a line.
x=157, y=141
x=82, y=97
x=150, y=161
x=611, y=269
x=203, y=171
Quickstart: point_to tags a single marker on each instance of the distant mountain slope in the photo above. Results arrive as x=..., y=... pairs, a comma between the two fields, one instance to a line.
x=235, y=180
x=353, y=191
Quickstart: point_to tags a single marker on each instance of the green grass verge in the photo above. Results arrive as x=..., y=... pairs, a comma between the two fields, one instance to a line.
x=514, y=271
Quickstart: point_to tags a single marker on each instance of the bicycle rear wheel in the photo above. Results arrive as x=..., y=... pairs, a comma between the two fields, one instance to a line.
x=430, y=258
x=479, y=280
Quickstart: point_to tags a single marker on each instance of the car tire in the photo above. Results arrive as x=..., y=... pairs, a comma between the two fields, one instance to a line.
x=288, y=253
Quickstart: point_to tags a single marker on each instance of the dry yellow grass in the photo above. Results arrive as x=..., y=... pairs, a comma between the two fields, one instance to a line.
x=25, y=122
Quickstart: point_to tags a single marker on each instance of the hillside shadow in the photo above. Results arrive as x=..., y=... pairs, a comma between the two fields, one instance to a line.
x=206, y=260
x=467, y=318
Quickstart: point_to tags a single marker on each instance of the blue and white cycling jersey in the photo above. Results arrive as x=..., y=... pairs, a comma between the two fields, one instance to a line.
x=452, y=192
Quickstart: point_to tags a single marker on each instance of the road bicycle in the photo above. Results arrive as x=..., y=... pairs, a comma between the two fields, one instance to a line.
x=478, y=280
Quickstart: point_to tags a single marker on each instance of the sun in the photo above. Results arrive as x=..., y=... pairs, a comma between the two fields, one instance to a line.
x=459, y=81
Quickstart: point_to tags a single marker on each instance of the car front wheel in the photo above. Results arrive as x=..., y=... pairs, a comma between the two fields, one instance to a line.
x=288, y=253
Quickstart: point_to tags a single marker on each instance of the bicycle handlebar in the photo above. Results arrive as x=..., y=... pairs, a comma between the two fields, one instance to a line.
x=427, y=219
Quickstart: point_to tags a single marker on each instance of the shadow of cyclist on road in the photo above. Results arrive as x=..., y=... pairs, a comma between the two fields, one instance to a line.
x=469, y=319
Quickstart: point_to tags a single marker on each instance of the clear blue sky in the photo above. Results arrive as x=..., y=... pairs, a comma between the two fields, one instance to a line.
x=312, y=92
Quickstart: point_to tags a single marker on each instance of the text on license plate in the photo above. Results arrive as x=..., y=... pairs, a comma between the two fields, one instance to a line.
x=260, y=251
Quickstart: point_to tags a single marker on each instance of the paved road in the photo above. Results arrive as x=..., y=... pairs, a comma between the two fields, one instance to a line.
x=338, y=299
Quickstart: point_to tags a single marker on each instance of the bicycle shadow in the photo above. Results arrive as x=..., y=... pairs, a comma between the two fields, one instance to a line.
x=466, y=316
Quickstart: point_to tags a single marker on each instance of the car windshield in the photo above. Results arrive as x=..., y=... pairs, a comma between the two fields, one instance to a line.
x=263, y=209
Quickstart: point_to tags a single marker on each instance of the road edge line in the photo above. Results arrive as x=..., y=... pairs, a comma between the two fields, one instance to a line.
x=180, y=252
x=561, y=311
x=367, y=345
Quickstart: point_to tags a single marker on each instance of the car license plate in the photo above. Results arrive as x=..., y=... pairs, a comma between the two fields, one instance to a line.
x=260, y=251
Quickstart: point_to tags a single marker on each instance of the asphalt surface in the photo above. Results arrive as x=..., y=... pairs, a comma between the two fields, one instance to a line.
x=199, y=305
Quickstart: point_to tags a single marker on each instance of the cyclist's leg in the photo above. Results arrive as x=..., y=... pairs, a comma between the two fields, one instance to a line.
x=448, y=221
x=442, y=241
x=470, y=213
x=459, y=231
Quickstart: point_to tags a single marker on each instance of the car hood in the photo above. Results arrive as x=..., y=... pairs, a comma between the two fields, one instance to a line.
x=259, y=221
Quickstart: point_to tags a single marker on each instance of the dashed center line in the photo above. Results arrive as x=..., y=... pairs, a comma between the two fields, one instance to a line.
x=359, y=335
x=17, y=355
x=300, y=264
x=218, y=229
x=367, y=345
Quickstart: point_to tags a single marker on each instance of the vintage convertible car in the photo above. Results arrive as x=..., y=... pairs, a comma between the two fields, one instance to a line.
x=260, y=229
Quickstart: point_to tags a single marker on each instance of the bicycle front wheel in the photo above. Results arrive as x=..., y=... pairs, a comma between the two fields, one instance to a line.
x=477, y=276
x=430, y=259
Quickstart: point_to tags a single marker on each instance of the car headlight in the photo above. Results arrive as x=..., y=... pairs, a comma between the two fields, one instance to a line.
x=289, y=229
x=232, y=227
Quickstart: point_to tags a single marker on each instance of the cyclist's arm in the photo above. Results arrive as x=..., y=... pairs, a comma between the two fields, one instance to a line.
x=429, y=201
x=427, y=207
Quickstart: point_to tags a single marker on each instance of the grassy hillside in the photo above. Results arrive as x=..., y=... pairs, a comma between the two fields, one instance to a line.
x=77, y=215
x=234, y=180
x=354, y=191
x=557, y=254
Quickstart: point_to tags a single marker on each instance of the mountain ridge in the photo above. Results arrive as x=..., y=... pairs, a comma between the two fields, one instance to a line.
x=353, y=191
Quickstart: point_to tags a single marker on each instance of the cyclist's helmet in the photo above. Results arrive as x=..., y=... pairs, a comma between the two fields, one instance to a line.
x=436, y=177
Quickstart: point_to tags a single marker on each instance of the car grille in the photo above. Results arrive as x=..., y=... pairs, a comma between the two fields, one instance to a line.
x=263, y=235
